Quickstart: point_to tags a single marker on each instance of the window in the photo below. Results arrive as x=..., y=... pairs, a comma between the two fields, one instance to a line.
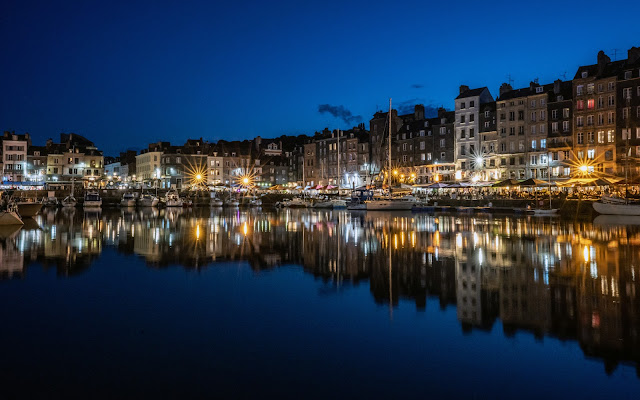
x=443, y=130
x=610, y=86
x=590, y=120
x=543, y=115
x=462, y=106
x=428, y=156
x=503, y=147
x=625, y=113
x=542, y=128
x=471, y=132
x=512, y=116
x=512, y=131
x=600, y=102
x=533, y=116
x=590, y=137
x=487, y=114
x=463, y=150
x=521, y=115
x=579, y=90
x=421, y=145
x=611, y=137
x=554, y=114
x=472, y=104
x=580, y=121
x=611, y=101
x=472, y=117
x=600, y=119
x=584, y=74
x=580, y=138
x=533, y=144
x=539, y=89
x=628, y=74
x=463, y=133
x=600, y=136
x=610, y=117
x=533, y=129
x=533, y=102
x=590, y=104
x=442, y=142
x=590, y=88
x=534, y=160
x=580, y=105
x=565, y=126
x=554, y=127
x=486, y=124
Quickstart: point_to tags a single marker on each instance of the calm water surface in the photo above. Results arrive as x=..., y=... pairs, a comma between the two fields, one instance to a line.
x=302, y=304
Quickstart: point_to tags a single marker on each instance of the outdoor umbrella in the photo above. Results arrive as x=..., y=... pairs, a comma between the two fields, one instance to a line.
x=507, y=182
x=459, y=185
x=534, y=182
x=437, y=185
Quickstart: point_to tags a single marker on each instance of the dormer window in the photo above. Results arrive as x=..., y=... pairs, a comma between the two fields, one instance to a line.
x=584, y=74
x=539, y=89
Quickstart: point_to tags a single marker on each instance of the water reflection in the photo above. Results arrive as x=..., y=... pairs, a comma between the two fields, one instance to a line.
x=570, y=280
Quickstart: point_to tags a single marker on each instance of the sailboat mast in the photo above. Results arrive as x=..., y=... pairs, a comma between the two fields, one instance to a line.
x=338, y=161
x=389, y=160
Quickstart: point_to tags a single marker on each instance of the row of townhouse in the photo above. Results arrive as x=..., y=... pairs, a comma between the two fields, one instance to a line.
x=541, y=131
x=55, y=164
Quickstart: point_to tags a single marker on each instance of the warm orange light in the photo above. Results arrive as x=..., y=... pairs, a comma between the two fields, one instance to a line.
x=583, y=168
x=395, y=172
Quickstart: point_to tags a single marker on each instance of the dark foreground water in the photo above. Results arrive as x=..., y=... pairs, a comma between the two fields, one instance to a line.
x=301, y=304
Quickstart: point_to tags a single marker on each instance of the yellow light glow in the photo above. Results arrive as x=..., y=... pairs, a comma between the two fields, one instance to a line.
x=197, y=232
x=583, y=168
x=245, y=180
x=245, y=229
x=199, y=177
x=395, y=172
x=437, y=178
x=413, y=175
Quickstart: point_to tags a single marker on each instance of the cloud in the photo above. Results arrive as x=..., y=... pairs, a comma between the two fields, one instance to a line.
x=417, y=86
x=408, y=107
x=339, y=112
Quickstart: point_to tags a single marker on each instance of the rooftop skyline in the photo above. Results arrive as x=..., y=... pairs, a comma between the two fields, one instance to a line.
x=125, y=75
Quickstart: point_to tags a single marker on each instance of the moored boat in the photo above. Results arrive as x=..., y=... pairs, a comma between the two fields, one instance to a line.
x=28, y=207
x=10, y=216
x=172, y=199
x=128, y=200
x=92, y=199
x=148, y=200
x=607, y=208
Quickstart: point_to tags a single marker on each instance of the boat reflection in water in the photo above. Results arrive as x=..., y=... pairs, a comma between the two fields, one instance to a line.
x=570, y=280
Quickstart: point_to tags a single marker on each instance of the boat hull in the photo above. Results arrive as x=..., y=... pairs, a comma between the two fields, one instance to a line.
x=616, y=209
x=174, y=203
x=389, y=205
x=148, y=202
x=543, y=212
x=10, y=218
x=29, y=209
x=128, y=203
x=92, y=204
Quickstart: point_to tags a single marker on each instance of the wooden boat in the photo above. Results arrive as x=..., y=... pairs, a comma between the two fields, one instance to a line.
x=10, y=215
x=28, y=207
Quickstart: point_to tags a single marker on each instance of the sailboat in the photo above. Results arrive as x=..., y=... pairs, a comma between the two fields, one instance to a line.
x=9, y=215
x=389, y=202
x=70, y=201
x=540, y=211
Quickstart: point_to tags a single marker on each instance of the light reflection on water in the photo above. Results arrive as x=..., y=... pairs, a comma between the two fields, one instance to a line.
x=574, y=281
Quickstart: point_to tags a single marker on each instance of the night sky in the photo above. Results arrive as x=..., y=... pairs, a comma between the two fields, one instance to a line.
x=126, y=74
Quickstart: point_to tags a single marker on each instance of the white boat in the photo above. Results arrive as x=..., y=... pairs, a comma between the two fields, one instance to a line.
x=216, y=202
x=92, y=200
x=148, y=200
x=403, y=203
x=255, y=202
x=10, y=215
x=172, y=199
x=353, y=206
x=603, y=207
x=231, y=202
x=297, y=202
x=128, y=200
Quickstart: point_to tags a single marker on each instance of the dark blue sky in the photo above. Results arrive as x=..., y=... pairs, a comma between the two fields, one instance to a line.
x=126, y=74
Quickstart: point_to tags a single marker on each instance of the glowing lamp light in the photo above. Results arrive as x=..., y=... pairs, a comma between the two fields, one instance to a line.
x=458, y=174
x=479, y=160
x=585, y=253
x=583, y=168
x=245, y=180
x=395, y=172
x=199, y=177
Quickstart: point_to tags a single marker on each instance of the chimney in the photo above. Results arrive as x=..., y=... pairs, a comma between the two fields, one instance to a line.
x=49, y=142
x=633, y=55
x=504, y=88
x=418, y=112
x=463, y=88
x=557, y=86
x=532, y=85
x=441, y=111
x=603, y=60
